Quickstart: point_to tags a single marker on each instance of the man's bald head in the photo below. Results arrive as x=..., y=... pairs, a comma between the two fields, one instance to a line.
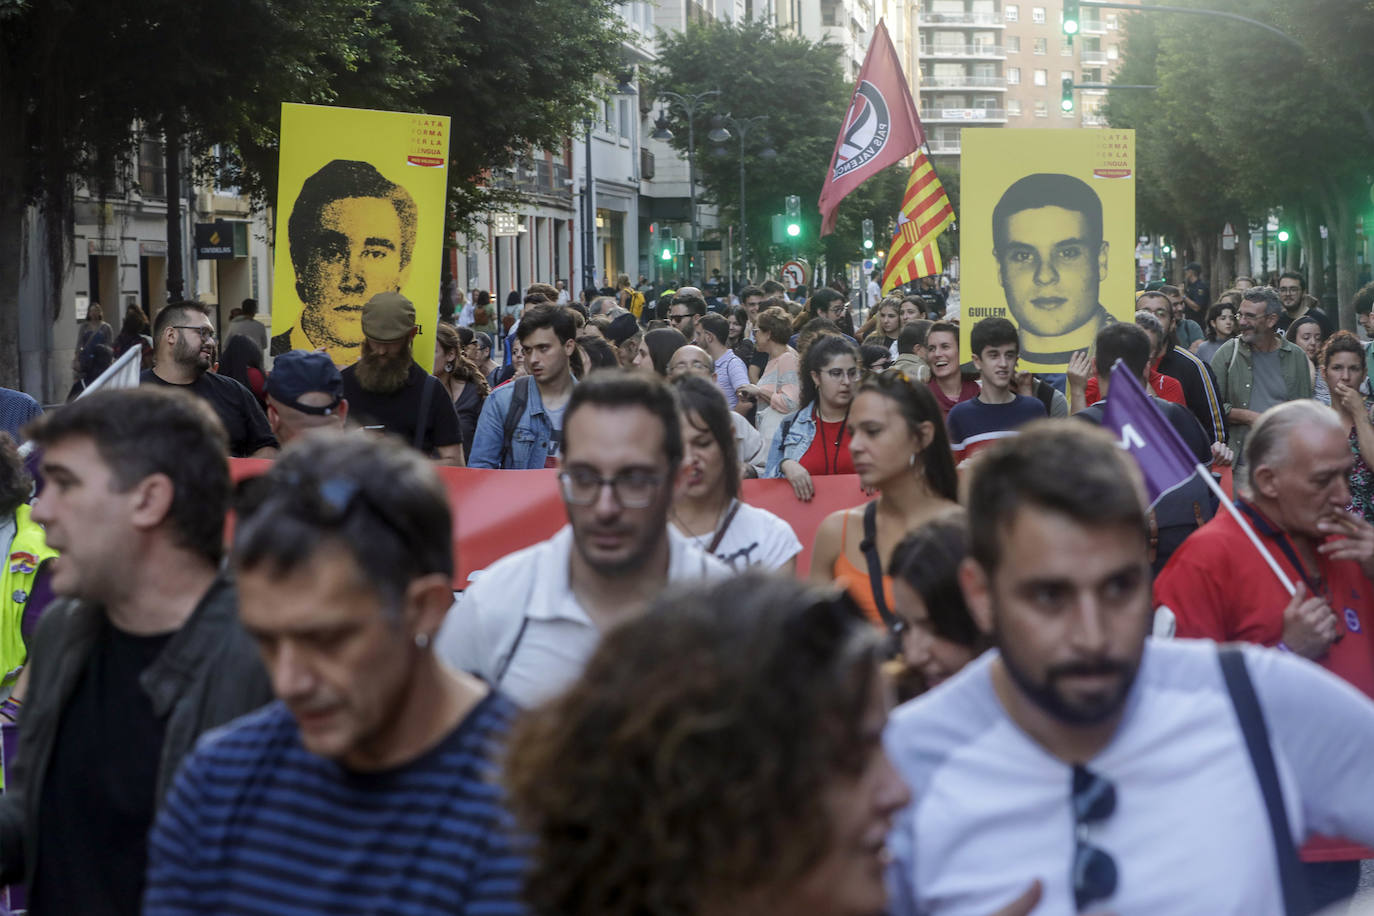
x=1272, y=436
x=691, y=360
x=289, y=423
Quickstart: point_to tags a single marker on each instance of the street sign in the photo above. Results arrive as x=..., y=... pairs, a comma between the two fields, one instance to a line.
x=506, y=224
x=794, y=274
x=1228, y=238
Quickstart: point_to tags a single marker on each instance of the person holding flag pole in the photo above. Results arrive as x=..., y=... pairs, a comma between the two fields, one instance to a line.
x=1286, y=567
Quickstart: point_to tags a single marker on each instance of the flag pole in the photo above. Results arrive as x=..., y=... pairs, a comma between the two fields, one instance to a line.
x=1249, y=532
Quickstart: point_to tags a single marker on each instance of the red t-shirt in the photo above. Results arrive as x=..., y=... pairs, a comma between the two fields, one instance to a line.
x=967, y=391
x=829, y=451
x=1220, y=588
x=1165, y=386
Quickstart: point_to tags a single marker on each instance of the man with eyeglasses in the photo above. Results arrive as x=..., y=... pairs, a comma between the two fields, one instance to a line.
x=183, y=352
x=997, y=411
x=1116, y=772
x=684, y=311
x=1258, y=369
x=1296, y=303
x=528, y=623
x=751, y=447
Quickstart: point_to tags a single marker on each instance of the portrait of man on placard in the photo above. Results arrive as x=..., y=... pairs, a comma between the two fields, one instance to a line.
x=1051, y=257
x=351, y=235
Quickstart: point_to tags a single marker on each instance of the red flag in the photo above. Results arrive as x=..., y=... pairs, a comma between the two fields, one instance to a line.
x=880, y=128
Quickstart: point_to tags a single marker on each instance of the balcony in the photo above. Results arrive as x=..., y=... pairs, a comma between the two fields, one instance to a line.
x=538, y=177
x=1093, y=58
x=964, y=52
x=1092, y=27
x=1094, y=120
x=944, y=147
x=994, y=83
x=954, y=115
x=960, y=20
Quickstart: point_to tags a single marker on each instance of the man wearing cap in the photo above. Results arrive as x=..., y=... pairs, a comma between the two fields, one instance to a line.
x=183, y=353
x=304, y=393
x=1196, y=296
x=387, y=391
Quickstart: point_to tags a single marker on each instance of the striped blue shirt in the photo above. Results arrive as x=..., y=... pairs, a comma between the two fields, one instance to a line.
x=255, y=823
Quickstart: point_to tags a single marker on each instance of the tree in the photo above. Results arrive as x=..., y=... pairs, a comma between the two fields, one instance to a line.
x=800, y=88
x=1256, y=124
x=78, y=76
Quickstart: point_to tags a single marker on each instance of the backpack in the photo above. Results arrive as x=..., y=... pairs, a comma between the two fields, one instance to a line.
x=520, y=396
x=636, y=305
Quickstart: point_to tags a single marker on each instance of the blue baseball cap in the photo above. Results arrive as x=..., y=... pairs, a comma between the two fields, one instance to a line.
x=299, y=372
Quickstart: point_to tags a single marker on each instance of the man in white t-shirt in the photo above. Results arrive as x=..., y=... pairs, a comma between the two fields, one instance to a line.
x=1111, y=769
x=529, y=623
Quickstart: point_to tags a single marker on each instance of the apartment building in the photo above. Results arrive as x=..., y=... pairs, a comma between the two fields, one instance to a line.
x=998, y=64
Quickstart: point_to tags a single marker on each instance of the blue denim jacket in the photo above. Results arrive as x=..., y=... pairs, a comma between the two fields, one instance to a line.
x=801, y=429
x=529, y=446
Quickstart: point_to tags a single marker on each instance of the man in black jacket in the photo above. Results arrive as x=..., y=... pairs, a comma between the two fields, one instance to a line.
x=142, y=653
x=1197, y=378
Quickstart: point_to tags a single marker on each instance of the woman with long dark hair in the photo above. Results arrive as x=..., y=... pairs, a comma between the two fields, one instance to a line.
x=462, y=380
x=815, y=439
x=938, y=633
x=708, y=508
x=241, y=360
x=657, y=347
x=899, y=448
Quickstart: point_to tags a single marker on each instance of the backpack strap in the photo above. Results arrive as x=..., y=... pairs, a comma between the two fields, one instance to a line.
x=724, y=527
x=422, y=421
x=520, y=396
x=869, y=547
x=1251, y=717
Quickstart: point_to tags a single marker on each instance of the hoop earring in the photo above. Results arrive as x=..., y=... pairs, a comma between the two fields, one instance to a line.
x=448, y=366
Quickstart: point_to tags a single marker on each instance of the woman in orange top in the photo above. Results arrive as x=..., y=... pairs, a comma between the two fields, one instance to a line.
x=900, y=448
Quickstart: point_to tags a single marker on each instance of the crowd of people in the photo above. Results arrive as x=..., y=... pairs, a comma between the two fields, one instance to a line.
x=260, y=689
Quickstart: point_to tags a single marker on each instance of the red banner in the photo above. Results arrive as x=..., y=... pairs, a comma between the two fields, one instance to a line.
x=499, y=512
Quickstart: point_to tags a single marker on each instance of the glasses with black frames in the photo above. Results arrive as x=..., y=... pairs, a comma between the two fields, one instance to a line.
x=634, y=488
x=1094, y=870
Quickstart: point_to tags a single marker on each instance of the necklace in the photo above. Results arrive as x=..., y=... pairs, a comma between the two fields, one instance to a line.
x=831, y=468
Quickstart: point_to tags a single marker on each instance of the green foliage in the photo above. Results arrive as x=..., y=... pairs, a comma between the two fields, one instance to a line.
x=800, y=87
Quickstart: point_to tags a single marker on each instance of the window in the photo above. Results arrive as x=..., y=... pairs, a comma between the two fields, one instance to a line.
x=1040, y=45
x=1041, y=109
x=152, y=169
x=1014, y=108
x=1013, y=44
x=1013, y=12
x=1112, y=52
x=1042, y=77
x=1038, y=15
x=1065, y=75
x=625, y=128
x=1013, y=76
x=1112, y=22
x=1065, y=49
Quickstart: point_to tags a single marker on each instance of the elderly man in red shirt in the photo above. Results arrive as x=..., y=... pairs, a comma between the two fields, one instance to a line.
x=1219, y=586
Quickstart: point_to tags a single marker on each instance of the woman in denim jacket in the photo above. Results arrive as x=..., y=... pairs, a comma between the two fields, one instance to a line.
x=815, y=439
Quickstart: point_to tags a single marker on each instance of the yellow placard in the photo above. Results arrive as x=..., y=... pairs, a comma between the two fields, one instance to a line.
x=360, y=211
x=1047, y=236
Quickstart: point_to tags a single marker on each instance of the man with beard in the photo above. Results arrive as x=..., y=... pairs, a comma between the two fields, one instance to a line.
x=1117, y=773
x=387, y=391
x=184, y=350
x=532, y=619
x=1219, y=587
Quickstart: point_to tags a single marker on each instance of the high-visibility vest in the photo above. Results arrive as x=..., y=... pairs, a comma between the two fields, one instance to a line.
x=27, y=552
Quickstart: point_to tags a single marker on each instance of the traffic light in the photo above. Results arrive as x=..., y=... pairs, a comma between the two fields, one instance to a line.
x=1071, y=14
x=1066, y=94
x=666, y=245
x=793, y=215
x=1283, y=235
x=868, y=234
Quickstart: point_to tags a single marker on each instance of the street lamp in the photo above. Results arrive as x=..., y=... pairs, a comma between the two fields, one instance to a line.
x=742, y=127
x=689, y=105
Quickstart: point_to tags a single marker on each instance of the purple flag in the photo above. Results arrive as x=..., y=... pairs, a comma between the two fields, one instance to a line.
x=1163, y=456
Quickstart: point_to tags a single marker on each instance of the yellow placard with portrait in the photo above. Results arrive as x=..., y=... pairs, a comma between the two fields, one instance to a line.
x=1047, y=237
x=360, y=211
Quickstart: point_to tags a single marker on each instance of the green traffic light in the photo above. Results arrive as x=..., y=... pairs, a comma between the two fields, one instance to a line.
x=667, y=254
x=1066, y=104
x=793, y=230
x=1070, y=27
x=868, y=243
x=1283, y=235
